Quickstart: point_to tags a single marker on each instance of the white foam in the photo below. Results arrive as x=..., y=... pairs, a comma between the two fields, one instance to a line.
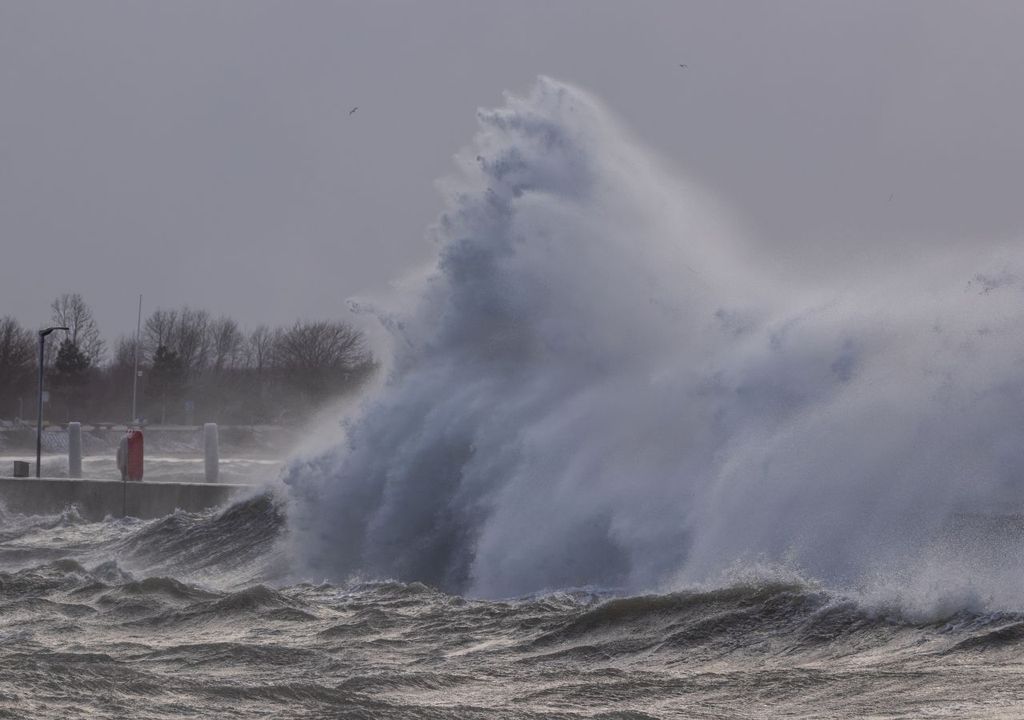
x=593, y=386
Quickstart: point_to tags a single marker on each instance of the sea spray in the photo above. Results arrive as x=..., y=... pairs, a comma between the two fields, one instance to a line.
x=592, y=387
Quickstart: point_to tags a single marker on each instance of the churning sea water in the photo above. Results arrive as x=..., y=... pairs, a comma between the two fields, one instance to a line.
x=186, y=616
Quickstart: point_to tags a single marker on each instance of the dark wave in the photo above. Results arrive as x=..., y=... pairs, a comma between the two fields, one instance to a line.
x=1005, y=637
x=240, y=535
x=75, y=631
x=769, y=620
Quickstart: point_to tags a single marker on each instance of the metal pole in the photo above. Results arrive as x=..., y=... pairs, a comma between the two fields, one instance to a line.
x=135, y=371
x=39, y=407
x=74, y=449
x=39, y=413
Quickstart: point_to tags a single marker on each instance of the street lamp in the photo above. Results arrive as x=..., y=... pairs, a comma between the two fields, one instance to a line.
x=39, y=415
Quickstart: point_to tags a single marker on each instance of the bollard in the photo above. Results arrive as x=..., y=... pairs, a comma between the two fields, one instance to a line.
x=212, y=451
x=74, y=450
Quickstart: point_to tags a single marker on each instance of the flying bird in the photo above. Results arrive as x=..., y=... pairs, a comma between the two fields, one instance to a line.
x=682, y=66
x=353, y=110
x=890, y=197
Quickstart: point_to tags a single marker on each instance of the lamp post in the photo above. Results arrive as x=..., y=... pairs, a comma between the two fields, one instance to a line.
x=39, y=415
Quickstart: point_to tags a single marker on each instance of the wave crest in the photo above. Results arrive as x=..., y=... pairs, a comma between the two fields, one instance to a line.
x=593, y=388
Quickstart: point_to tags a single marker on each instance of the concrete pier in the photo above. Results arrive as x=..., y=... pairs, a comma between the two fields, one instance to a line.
x=75, y=450
x=211, y=451
x=97, y=499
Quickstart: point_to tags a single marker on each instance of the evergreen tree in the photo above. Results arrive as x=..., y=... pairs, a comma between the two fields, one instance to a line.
x=71, y=362
x=71, y=373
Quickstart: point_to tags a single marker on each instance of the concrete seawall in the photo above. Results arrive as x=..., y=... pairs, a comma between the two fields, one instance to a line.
x=97, y=499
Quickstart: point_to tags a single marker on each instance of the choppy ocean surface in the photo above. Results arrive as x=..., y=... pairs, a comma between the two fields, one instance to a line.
x=190, y=616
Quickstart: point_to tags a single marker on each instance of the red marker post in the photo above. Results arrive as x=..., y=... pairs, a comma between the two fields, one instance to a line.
x=129, y=455
x=129, y=462
x=133, y=463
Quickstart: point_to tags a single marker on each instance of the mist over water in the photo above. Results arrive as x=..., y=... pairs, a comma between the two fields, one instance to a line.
x=593, y=387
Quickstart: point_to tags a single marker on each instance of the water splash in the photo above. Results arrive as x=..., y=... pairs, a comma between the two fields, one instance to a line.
x=593, y=387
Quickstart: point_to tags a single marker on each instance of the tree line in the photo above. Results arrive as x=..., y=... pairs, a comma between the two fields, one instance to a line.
x=193, y=367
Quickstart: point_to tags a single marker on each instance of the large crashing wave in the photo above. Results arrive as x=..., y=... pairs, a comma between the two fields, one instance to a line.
x=592, y=387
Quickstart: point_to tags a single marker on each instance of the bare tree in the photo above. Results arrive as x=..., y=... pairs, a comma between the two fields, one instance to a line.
x=167, y=378
x=124, y=352
x=192, y=340
x=72, y=312
x=227, y=343
x=17, y=346
x=262, y=376
x=315, y=346
x=17, y=361
x=319, y=359
x=259, y=348
x=159, y=330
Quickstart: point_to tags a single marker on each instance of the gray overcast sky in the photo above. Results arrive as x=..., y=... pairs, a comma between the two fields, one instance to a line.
x=202, y=152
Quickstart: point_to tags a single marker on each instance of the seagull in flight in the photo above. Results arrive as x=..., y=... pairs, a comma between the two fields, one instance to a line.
x=353, y=110
x=682, y=66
